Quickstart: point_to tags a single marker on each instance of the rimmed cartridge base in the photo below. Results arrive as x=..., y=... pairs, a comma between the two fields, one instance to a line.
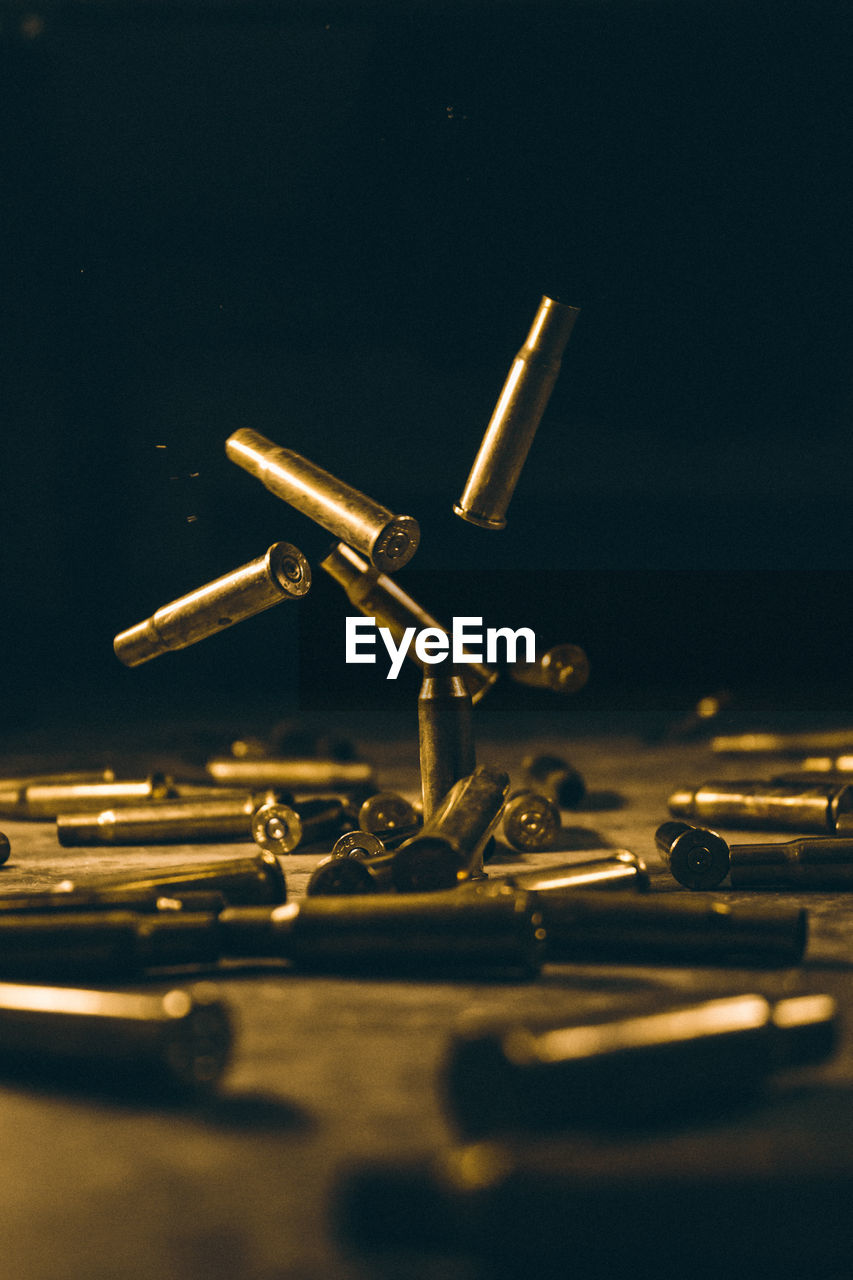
x=481, y=521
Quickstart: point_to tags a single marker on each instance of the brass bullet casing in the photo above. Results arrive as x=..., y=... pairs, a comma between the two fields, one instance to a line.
x=563, y=669
x=162, y=822
x=522, y=402
x=282, y=574
x=453, y=934
x=352, y=872
x=375, y=595
x=445, y=735
x=526, y=1077
x=530, y=821
x=697, y=858
x=390, y=816
x=13, y=803
x=666, y=928
x=293, y=774
x=555, y=778
x=815, y=862
x=47, y=801
x=818, y=807
x=280, y=829
x=389, y=541
x=821, y=742
x=178, y=1041
x=252, y=880
x=449, y=849
x=358, y=844
x=618, y=870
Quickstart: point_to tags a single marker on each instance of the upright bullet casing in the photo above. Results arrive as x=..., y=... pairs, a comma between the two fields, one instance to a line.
x=282, y=574
x=445, y=735
x=389, y=541
x=375, y=595
x=522, y=402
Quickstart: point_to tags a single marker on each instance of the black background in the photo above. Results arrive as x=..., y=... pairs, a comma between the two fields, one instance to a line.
x=333, y=223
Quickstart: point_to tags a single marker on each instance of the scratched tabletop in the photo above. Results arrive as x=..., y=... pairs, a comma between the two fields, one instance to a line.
x=330, y=1072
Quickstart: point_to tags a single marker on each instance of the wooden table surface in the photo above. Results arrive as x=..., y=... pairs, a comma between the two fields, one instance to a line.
x=330, y=1071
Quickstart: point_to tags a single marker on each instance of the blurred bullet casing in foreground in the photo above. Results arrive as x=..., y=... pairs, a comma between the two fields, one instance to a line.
x=522, y=402
x=628, y=1070
x=282, y=574
x=375, y=595
x=389, y=541
x=180, y=1040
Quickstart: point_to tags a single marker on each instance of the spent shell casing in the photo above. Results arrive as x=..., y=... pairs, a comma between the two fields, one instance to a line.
x=511, y=1207
x=698, y=858
x=279, y=828
x=180, y=821
x=815, y=862
x=446, y=933
x=282, y=573
x=180, y=1040
x=531, y=822
x=70, y=898
x=347, y=874
x=651, y=1066
x=250, y=880
x=107, y=946
x=45, y=801
x=813, y=807
x=620, y=870
x=445, y=735
x=454, y=934
x=665, y=928
x=556, y=778
x=293, y=774
x=521, y=404
x=449, y=849
x=375, y=595
x=563, y=669
x=389, y=816
x=821, y=742
x=389, y=541
x=358, y=844
x=13, y=789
